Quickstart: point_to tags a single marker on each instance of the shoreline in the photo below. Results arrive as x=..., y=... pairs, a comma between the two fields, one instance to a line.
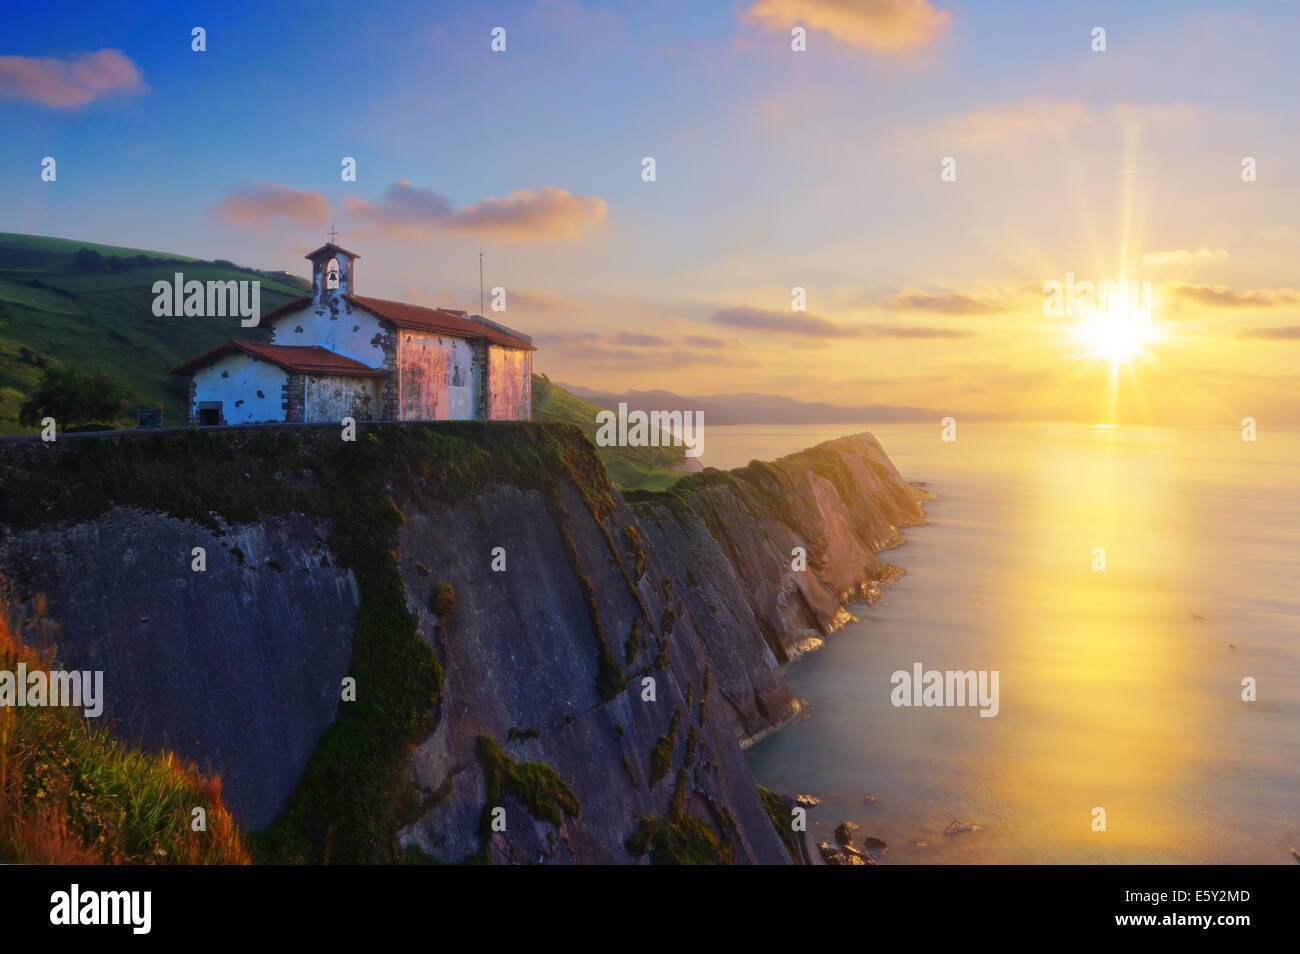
x=875, y=593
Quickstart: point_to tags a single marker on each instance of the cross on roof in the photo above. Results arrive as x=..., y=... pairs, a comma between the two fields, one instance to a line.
x=332, y=233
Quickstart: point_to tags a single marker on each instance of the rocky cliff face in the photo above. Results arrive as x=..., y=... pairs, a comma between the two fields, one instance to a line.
x=599, y=658
x=236, y=667
x=838, y=503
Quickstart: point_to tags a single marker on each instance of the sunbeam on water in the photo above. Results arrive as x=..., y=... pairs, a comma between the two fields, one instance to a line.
x=1123, y=582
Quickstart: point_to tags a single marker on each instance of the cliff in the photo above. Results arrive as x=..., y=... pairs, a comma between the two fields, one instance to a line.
x=732, y=537
x=528, y=650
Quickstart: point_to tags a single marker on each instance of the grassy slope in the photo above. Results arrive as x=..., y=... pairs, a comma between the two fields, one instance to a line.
x=631, y=468
x=71, y=794
x=104, y=321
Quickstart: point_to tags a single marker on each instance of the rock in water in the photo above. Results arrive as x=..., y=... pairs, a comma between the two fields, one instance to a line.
x=807, y=801
x=957, y=825
x=874, y=844
x=844, y=833
x=849, y=856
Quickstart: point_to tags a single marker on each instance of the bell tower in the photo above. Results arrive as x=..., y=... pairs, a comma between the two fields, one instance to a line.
x=333, y=272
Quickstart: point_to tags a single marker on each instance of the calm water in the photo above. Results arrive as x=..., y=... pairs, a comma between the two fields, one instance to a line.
x=1113, y=693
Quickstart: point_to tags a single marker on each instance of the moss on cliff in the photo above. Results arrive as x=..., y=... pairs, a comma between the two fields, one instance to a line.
x=442, y=601
x=354, y=795
x=688, y=841
x=536, y=786
x=779, y=811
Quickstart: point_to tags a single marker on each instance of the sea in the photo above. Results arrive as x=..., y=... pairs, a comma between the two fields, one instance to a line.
x=1136, y=590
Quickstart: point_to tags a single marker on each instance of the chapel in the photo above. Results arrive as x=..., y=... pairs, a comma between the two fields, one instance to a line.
x=335, y=354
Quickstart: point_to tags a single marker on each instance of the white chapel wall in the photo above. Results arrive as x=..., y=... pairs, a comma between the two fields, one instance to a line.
x=439, y=377
x=353, y=332
x=510, y=371
x=249, y=389
x=332, y=397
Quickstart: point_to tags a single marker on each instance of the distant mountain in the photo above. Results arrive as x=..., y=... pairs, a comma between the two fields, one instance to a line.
x=752, y=408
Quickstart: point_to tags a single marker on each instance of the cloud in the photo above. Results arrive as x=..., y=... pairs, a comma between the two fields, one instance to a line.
x=1221, y=296
x=711, y=341
x=640, y=339
x=525, y=215
x=885, y=26
x=540, y=301
x=1285, y=333
x=1028, y=126
x=887, y=331
x=257, y=205
x=1182, y=256
x=765, y=319
x=597, y=355
x=563, y=337
x=812, y=327
x=1279, y=233
x=404, y=212
x=69, y=83
x=948, y=303
x=409, y=213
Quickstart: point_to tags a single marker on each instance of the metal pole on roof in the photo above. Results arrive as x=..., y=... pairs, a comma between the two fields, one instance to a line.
x=480, y=282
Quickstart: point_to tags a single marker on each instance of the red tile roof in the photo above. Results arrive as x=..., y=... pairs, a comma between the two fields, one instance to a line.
x=331, y=248
x=309, y=359
x=440, y=320
x=288, y=307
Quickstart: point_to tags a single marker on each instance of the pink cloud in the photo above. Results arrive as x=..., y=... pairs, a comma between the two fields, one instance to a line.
x=885, y=26
x=404, y=212
x=69, y=83
x=258, y=205
x=408, y=213
x=526, y=215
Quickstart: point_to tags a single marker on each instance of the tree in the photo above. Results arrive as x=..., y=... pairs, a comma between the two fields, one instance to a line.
x=75, y=400
x=541, y=390
x=88, y=260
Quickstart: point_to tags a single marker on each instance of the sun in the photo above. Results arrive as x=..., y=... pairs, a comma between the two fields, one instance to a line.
x=1118, y=335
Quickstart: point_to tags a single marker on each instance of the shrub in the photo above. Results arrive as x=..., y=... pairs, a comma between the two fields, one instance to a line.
x=75, y=400
x=442, y=601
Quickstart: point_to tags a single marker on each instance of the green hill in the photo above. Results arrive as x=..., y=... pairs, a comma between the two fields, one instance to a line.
x=95, y=313
x=631, y=468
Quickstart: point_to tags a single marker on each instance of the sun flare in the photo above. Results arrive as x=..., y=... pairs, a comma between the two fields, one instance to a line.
x=1117, y=335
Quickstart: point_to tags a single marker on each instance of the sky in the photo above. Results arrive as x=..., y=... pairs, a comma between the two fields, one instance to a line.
x=922, y=170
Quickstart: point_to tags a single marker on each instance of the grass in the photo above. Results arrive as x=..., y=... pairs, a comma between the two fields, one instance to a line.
x=661, y=756
x=537, y=787
x=104, y=321
x=442, y=601
x=72, y=794
x=687, y=841
x=630, y=468
x=779, y=812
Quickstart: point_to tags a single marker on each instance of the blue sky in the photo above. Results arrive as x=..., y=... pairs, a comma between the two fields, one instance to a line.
x=775, y=169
